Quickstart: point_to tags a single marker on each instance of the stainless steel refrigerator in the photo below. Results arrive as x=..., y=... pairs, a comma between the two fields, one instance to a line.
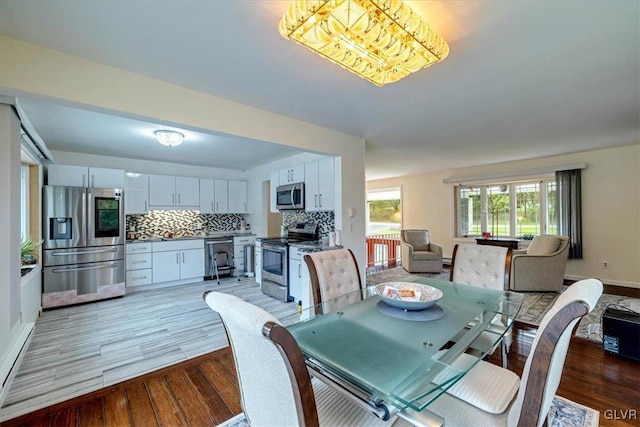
x=83, y=248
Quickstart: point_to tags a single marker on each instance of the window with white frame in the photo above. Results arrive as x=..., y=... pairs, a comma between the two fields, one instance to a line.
x=24, y=201
x=520, y=209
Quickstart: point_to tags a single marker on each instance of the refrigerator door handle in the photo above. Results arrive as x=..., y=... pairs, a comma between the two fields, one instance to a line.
x=95, y=251
x=95, y=267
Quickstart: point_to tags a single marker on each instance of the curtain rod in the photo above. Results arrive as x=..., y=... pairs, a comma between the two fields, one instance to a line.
x=522, y=173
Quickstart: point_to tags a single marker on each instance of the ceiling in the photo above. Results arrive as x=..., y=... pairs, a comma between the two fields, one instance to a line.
x=523, y=79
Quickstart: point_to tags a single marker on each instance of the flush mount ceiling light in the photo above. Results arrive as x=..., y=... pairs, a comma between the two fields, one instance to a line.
x=379, y=40
x=169, y=138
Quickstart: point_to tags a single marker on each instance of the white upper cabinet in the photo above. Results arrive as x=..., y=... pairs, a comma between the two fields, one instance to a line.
x=187, y=191
x=179, y=191
x=207, y=200
x=162, y=190
x=238, y=196
x=136, y=194
x=221, y=196
x=291, y=175
x=319, y=181
x=82, y=176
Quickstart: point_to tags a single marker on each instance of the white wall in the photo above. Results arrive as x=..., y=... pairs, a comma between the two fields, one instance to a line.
x=611, y=209
x=10, y=288
x=32, y=71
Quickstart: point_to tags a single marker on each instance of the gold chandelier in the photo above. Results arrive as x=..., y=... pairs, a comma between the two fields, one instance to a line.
x=379, y=40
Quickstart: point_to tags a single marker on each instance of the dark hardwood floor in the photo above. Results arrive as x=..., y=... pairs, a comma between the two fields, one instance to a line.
x=204, y=391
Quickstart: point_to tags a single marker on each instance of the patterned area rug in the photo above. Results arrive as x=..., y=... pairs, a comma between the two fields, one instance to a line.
x=563, y=413
x=590, y=325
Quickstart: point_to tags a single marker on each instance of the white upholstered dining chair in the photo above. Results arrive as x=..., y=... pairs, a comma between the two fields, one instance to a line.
x=486, y=396
x=275, y=387
x=333, y=274
x=488, y=267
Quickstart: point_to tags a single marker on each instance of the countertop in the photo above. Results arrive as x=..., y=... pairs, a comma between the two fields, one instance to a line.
x=202, y=236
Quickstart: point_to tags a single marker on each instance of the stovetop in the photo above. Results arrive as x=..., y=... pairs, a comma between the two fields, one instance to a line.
x=300, y=232
x=284, y=241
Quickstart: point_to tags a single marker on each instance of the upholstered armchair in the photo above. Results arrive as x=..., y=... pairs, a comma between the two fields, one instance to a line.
x=541, y=266
x=419, y=253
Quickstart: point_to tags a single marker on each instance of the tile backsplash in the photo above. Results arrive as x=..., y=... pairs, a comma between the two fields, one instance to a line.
x=183, y=223
x=325, y=220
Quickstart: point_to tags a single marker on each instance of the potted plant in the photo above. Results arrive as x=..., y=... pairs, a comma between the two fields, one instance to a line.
x=29, y=251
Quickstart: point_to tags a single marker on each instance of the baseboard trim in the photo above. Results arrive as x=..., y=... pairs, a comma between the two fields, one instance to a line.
x=14, y=358
x=612, y=287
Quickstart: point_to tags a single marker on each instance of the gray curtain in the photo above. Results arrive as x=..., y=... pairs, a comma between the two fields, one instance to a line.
x=569, y=209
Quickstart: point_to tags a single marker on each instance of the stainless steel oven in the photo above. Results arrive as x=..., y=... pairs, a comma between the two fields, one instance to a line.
x=275, y=270
x=290, y=196
x=275, y=259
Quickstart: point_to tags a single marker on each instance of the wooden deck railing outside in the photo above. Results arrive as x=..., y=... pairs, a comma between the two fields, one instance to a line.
x=383, y=250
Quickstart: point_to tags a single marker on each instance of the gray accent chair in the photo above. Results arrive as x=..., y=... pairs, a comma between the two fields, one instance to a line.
x=541, y=266
x=419, y=253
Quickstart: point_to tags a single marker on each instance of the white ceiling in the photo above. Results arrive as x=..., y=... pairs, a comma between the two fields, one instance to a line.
x=523, y=79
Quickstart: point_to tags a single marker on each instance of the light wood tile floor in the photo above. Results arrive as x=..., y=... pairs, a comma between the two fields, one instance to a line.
x=76, y=350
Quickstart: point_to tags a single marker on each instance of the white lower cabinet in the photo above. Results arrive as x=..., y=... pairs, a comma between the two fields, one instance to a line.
x=299, y=281
x=178, y=260
x=138, y=261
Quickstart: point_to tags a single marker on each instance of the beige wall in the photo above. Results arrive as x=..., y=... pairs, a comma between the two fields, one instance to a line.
x=611, y=209
x=33, y=71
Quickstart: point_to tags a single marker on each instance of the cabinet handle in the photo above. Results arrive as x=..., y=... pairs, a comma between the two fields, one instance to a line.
x=173, y=199
x=183, y=257
x=139, y=249
x=139, y=277
x=139, y=262
x=216, y=206
x=177, y=258
x=300, y=271
x=83, y=178
x=315, y=200
x=211, y=206
x=93, y=180
x=178, y=198
x=145, y=206
x=245, y=206
x=320, y=199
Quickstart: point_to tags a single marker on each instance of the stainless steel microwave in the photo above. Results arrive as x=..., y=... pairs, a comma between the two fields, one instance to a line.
x=290, y=196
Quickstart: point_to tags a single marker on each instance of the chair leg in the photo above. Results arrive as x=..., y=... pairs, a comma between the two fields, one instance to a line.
x=505, y=355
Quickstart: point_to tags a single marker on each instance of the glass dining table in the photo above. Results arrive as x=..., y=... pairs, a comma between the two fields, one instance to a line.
x=393, y=359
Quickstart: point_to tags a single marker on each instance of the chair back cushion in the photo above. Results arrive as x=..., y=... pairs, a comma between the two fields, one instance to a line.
x=589, y=291
x=481, y=265
x=337, y=274
x=544, y=245
x=265, y=386
x=419, y=239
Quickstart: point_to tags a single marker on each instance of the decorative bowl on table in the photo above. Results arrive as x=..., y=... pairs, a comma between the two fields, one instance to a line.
x=408, y=295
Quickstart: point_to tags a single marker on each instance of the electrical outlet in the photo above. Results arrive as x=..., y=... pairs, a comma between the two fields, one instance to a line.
x=605, y=264
x=350, y=226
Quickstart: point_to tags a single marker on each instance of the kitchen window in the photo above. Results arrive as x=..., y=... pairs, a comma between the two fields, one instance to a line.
x=520, y=209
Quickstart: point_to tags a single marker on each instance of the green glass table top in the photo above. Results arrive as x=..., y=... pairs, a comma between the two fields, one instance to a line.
x=394, y=359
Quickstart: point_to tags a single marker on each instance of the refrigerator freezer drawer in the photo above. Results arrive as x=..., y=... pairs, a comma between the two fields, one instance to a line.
x=53, y=257
x=83, y=278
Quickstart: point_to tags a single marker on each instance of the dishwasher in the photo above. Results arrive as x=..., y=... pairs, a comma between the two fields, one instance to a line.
x=212, y=246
